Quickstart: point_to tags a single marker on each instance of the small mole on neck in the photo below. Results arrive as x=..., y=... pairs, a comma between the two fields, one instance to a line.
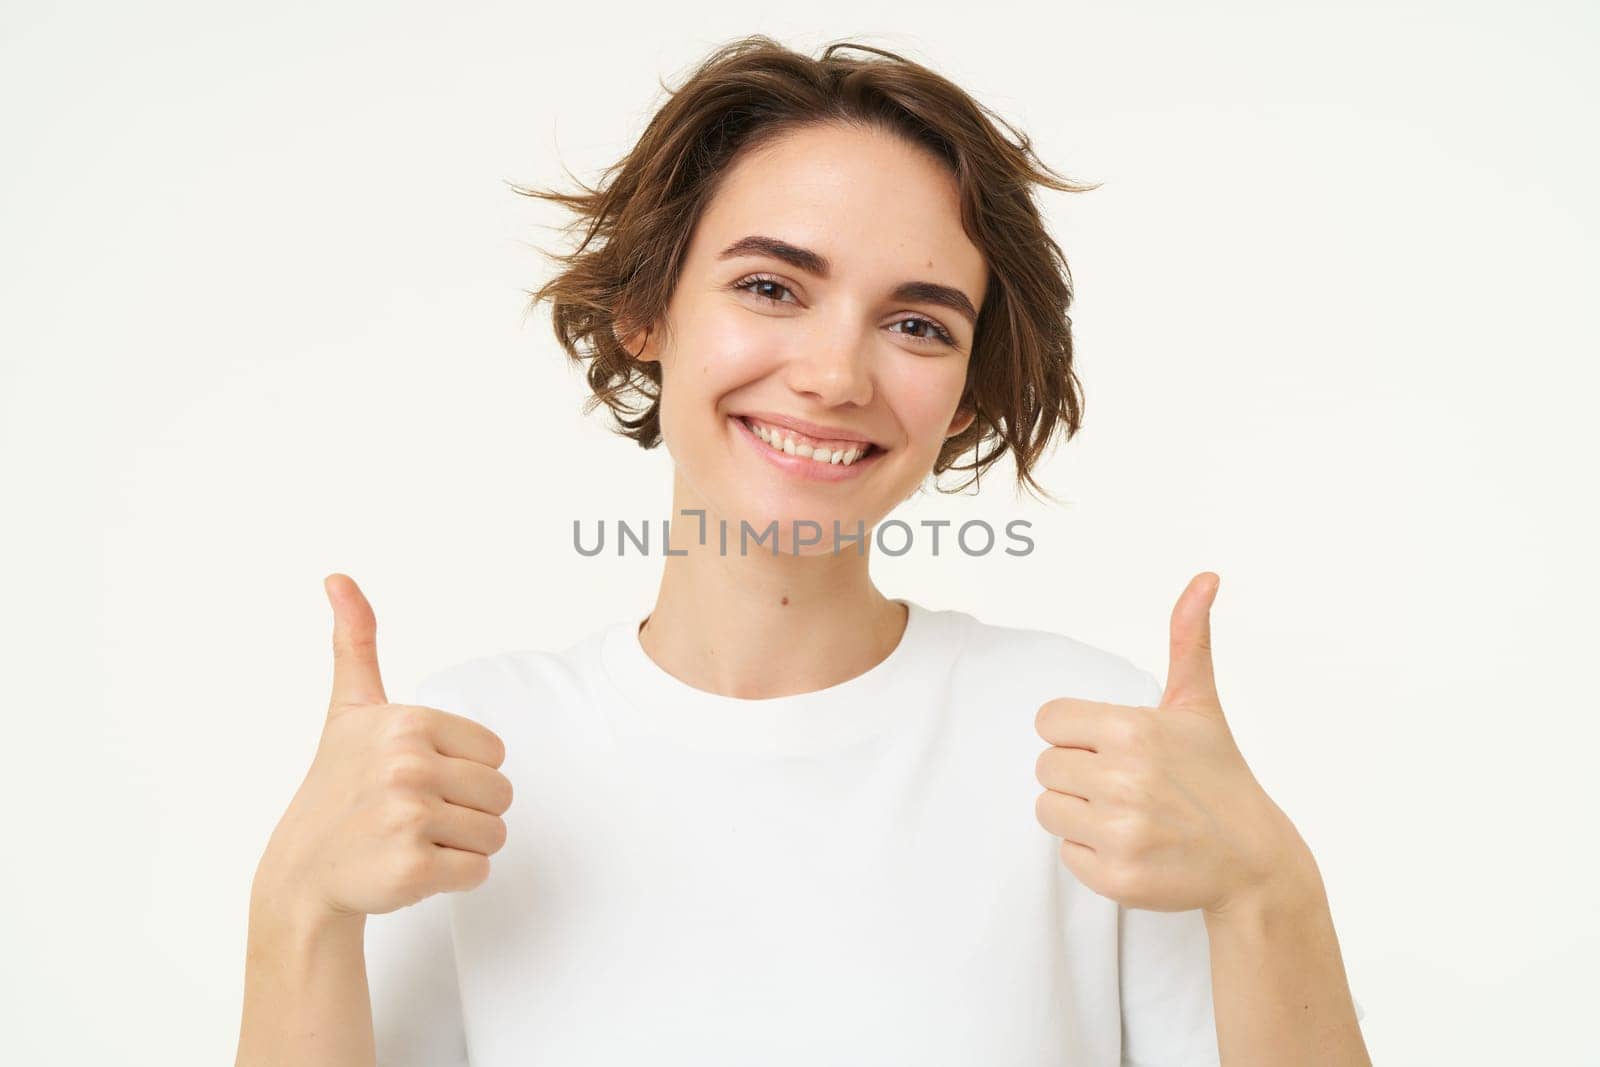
x=785, y=601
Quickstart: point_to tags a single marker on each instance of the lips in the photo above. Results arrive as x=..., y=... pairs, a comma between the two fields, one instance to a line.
x=812, y=434
x=793, y=444
x=807, y=468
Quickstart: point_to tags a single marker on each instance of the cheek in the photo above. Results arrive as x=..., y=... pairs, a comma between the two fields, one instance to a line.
x=717, y=353
x=923, y=394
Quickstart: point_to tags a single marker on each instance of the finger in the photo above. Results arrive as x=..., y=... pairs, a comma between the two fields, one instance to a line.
x=456, y=870
x=355, y=644
x=463, y=738
x=473, y=785
x=1077, y=723
x=1086, y=866
x=1191, y=681
x=1067, y=817
x=466, y=828
x=1069, y=770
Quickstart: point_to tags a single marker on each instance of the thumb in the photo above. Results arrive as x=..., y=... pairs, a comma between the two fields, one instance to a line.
x=355, y=644
x=1190, y=681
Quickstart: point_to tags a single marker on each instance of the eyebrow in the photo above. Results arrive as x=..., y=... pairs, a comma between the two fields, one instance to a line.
x=814, y=263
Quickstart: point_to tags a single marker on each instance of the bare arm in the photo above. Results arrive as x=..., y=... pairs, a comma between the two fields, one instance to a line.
x=402, y=802
x=305, y=987
x=1278, y=981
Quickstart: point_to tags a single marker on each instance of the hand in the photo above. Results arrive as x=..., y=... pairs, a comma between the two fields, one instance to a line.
x=1155, y=807
x=401, y=801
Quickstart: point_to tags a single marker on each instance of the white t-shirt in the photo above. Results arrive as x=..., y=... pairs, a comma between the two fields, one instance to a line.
x=849, y=876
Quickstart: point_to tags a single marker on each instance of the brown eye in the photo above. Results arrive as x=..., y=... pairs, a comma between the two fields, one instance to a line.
x=757, y=285
x=751, y=284
x=939, y=333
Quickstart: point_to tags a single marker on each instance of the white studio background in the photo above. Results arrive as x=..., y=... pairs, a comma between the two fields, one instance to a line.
x=262, y=318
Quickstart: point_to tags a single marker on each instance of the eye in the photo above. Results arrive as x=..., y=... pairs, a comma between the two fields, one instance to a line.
x=751, y=284
x=941, y=334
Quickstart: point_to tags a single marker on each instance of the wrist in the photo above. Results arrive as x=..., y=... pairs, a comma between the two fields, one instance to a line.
x=299, y=939
x=281, y=906
x=1292, y=889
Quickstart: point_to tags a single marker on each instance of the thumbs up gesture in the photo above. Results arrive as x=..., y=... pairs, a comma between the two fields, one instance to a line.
x=1155, y=807
x=401, y=801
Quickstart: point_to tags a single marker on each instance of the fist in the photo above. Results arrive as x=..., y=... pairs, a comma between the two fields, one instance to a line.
x=1155, y=807
x=401, y=801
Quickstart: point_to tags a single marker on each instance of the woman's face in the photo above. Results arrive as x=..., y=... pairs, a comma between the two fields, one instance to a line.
x=829, y=294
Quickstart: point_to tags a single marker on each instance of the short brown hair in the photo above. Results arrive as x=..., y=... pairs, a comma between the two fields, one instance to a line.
x=1021, y=384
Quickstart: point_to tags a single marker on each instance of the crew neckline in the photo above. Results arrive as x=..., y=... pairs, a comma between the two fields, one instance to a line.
x=659, y=707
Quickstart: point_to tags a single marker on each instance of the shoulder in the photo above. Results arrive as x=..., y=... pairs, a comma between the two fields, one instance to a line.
x=480, y=685
x=1053, y=663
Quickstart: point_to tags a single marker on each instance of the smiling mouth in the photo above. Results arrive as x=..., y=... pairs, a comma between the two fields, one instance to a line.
x=825, y=453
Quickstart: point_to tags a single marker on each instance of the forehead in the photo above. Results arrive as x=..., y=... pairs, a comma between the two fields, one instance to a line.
x=875, y=205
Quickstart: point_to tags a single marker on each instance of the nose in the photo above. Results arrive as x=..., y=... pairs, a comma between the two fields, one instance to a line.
x=834, y=366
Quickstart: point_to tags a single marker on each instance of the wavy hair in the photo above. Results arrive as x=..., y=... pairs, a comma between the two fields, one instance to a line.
x=637, y=220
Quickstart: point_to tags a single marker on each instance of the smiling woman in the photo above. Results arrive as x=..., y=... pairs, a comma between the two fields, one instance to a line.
x=968, y=216
x=785, y=818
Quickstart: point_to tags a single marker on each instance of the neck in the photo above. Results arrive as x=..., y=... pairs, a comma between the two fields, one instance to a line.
x=760, y=625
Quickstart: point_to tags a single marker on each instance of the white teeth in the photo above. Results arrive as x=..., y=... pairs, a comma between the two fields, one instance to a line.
x=785, y=443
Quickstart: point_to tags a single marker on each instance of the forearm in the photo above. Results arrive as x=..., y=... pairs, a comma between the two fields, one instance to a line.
x=306, y=1001
x=1278, y=980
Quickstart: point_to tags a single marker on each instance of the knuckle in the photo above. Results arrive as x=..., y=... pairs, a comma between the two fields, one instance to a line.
x=1131, y=833
x=355, y=647
x=405, y=771
x=498, y=835
x=1134, y=731
x=1130, y=787
x=408, y=819
x=415, y=872
x=408, y=721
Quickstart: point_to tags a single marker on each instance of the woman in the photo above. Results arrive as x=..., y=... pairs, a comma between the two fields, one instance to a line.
x=785, y=818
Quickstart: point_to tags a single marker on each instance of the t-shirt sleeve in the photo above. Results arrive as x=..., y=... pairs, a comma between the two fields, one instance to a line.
x=411, y=977
x=1168, y=1019
x=417, y=1019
